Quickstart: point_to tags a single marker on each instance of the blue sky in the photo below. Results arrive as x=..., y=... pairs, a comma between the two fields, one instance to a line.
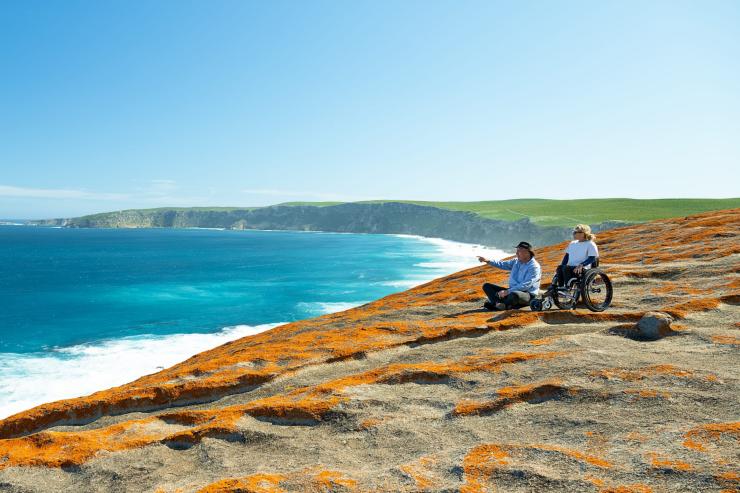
x=111, y=105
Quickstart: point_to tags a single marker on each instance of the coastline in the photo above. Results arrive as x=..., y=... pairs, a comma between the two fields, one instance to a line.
x=128, y=358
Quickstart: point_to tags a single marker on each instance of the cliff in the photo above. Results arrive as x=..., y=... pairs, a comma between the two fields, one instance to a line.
x=386, y=217
x=424, y=391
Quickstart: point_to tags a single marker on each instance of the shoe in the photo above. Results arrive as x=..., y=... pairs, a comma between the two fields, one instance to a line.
x=500, y=307
x=488, y=306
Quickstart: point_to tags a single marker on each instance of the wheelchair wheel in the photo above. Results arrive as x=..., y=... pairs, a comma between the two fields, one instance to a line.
x=547, y=303
x=597, y=290
x=567, y=297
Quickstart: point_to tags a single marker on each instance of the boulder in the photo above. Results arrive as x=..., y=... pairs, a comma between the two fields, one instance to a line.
x=654, y=325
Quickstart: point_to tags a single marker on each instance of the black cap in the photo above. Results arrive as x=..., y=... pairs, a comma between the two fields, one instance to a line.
x=527, y=246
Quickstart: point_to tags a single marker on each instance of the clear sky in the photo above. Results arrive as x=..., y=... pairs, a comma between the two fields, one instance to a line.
x=128, y=104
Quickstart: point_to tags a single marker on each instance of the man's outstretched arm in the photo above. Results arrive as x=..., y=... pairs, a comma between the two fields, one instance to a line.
x=501, y=264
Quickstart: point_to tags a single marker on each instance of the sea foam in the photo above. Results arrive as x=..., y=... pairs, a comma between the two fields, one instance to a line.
x=32, y=379
x=322, y=308
x=449, y=257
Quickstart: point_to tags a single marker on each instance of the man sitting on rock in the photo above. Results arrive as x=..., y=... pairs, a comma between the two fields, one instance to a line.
x=524, y=280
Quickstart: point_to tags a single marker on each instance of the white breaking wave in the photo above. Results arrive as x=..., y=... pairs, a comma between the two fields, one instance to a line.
x=322, y=308
x=450, y=257
x=32, y=379
x=453, y=252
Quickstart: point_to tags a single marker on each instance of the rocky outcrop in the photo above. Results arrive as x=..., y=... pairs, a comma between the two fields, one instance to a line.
x=424, y=391
x=654, y=325
x=387, y=218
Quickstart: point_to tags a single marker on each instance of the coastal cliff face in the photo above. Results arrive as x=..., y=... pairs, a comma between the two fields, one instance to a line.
x=424, y=391
x=387, y=218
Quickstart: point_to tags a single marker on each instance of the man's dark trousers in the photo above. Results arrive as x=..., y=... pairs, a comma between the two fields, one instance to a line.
x=514, y=299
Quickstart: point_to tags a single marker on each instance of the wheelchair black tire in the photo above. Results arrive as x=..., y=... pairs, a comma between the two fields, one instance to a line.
x=591, y=277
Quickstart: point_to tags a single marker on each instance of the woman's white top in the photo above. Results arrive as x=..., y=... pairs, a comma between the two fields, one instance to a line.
x=578, y=251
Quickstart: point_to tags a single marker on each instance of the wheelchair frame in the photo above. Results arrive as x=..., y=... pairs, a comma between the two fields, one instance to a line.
x=578, y=288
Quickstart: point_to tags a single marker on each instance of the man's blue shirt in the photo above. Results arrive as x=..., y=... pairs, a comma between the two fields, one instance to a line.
x=525, y=276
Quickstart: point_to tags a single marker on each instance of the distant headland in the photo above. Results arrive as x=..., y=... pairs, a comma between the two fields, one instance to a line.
x=493, y=223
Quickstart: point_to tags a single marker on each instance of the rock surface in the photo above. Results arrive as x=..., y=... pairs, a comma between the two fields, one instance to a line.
x=424, y=391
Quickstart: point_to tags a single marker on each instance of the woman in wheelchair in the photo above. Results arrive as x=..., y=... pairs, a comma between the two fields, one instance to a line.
x=582, y=253
x=578, y=278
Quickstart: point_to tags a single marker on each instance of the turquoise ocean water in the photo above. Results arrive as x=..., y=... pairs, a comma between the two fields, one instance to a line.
x=85, y=309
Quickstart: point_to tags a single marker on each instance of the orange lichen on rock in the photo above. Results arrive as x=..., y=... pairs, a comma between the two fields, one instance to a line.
x=680, y=289
x=647, y=393
x=314, y=402
x=482, y=461
x=256, y=483
x=574, y=454
x=308, y=404
x=73, y=448
x=421, y=471
x=729, y=479
x=629, y=488
x=330, y=481
x=544, y=341
x=682, y=310
x=594, y=480
x=531, y=393
x=479, y=464
x=732, y=340
x=596, y=442
x=428, y=372
x=567, y=316
x=60, y=449
x=729, y=476
x=659, y=461
x=636, y=436
x=313, y=479
x=698, y=438
x=369, y=423
x=642, y=373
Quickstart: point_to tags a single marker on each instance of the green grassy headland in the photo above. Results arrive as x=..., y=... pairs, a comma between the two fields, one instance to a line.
x=543, y=212
x=546, y=212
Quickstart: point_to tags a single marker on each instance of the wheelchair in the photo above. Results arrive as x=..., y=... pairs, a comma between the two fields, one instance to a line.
x=593, y=287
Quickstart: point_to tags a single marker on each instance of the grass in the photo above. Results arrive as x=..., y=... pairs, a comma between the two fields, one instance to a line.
x=546, y=212
x=315, y=204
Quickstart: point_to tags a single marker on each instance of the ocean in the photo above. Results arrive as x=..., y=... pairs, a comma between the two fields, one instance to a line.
x=82, y=310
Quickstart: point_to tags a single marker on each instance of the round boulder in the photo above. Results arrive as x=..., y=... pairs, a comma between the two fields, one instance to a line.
x=654, y=325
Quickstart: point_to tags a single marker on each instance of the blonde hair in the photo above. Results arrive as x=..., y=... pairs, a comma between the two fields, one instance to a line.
x=585, y=229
